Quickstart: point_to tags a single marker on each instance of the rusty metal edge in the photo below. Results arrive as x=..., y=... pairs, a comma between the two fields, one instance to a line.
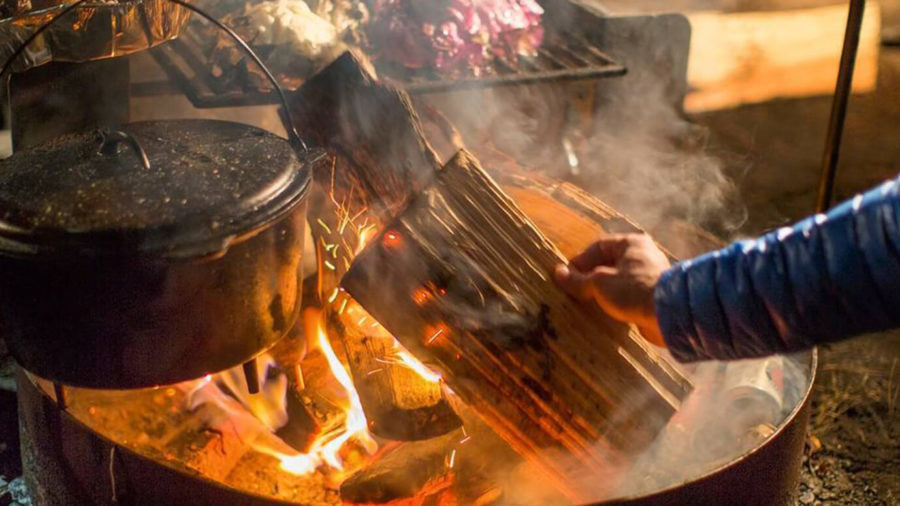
x=65, y=462
x=54, y=439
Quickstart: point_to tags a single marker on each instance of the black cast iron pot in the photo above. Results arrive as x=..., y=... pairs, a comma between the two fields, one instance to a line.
x=153, y=255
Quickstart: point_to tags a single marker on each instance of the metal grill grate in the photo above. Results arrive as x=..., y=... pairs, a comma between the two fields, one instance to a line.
x=560, y=58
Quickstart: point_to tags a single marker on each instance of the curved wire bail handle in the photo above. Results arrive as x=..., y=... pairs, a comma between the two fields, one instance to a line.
x=293, y=136
x=109, y=145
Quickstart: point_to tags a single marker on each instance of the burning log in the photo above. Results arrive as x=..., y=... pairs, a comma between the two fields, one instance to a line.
x=380, y=158
x=462, y=278
x=415, y=409
x=407, y=470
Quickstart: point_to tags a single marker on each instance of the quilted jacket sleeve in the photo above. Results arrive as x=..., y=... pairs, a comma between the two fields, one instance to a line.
x=826, y=278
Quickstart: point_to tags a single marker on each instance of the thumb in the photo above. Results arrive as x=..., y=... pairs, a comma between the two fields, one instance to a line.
x=580, y=285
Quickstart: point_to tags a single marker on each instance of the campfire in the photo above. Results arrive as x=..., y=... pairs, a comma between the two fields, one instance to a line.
x=434, y=362
x=342, y=410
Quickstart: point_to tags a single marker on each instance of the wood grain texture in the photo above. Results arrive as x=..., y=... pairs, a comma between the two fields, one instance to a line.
x=462, y=279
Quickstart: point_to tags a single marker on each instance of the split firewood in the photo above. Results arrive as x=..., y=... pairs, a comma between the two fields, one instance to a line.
x=372, y=129
x=380, y=367
x=380, y=159
x=462, y=278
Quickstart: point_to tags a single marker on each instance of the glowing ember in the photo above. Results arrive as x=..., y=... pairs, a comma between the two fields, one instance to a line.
x=421, y=296
x=392, y=239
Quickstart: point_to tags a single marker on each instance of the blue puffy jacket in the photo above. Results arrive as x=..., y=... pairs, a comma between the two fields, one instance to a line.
x=826, y=278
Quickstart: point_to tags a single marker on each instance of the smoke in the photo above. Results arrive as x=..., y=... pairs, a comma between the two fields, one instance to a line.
x=733, y=409
x=628, y=145
x=645, y=159
x=633, y=148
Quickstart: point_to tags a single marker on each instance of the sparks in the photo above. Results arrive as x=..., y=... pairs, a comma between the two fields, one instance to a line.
x=333, y=296
x=373, y=371
x=435, y=336
x=452, y=458
x=324, y=225
x=343, y=307
x=329, y=265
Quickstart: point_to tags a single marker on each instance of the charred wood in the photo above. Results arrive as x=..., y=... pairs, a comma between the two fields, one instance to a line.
x=404, y=471
x=402, y=405
x=374, y=131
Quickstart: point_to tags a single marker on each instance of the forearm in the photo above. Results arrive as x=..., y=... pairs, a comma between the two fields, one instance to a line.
x=827, y=278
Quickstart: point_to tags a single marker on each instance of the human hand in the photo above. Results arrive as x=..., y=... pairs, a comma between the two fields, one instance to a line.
x=619, y=272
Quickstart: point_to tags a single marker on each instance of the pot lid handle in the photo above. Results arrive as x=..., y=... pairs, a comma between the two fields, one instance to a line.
x=109, y=145
x=298, y=144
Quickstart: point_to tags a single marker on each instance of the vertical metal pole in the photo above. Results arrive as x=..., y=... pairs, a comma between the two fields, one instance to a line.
x=839, y=105
x=251, y=374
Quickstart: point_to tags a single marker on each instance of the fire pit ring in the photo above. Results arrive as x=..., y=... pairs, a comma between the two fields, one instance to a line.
x=66, y=462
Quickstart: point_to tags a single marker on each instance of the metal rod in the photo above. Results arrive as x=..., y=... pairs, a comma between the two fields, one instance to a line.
x=251, y=374
x=60, y=393
x=839, y=105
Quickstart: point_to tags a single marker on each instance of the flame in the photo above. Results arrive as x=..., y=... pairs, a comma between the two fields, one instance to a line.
x=326, y=449
x=254, y=418
x=405, y=358
x=269, y=406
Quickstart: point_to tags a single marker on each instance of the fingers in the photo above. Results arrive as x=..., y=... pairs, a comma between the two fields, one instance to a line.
x=582, y=285
x=605, y=251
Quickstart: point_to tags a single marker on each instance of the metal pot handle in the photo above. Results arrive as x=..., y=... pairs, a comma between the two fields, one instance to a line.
x=110, y=140
x=293, y=136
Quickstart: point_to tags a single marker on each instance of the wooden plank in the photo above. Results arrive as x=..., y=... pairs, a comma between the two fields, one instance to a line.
x=462, y=279
x=750, y=51
x=747, y=57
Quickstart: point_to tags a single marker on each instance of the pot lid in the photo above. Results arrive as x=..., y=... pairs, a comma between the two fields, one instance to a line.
x=202, y=185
